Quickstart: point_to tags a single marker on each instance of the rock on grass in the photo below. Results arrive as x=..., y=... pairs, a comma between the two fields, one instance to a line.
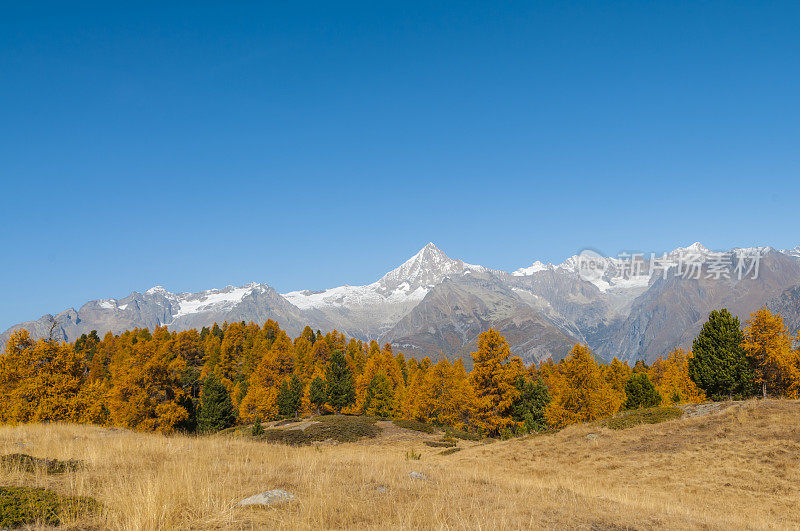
x=269, y=497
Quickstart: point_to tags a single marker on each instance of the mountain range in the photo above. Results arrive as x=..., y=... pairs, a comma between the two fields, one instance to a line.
x=638, y=307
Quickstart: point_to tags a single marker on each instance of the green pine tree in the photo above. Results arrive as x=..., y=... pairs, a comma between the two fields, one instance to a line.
x=379, y=396
x=258, y=429
x=317, y=394
x=339, y=382
x=290, y=394
x=216, y=410
x=719, y=365
x=641, y=392
x=529, y=407
x=189, y=424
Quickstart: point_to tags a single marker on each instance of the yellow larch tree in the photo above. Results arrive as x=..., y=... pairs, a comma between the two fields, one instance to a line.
x=446, y=396
x=39, y=380
x=670, y=376
x=262, y=393
x=768, y=344
x=145, y=383
x=494, y=381
x=616, y=375
x=580, y=391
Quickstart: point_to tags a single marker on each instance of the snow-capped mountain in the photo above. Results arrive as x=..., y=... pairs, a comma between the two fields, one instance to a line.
x=792, y=252
x=371, y=310
x=178, y=311
x=433, y=304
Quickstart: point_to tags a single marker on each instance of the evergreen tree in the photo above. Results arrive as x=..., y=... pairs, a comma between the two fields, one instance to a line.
x=189, y=424
x=317, y=394
x=339, y=379
x=216, y=409
x=290, y=394
x=258, y=428
x=719, y=365
x=379, y=396
x=641, y=392
x=529, y=408
x=86, y=345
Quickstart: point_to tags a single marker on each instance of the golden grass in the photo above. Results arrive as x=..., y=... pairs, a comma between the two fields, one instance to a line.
x=736, y=467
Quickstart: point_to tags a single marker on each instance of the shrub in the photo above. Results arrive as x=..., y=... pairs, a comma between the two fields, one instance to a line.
x=641, y=392
x=439, y=444
x=629, y=419
x=411, y=455
x=450, y=451
x=28, y=463
x=21, y=506
x=342, y=428
x=414, y=425
x=463, y=435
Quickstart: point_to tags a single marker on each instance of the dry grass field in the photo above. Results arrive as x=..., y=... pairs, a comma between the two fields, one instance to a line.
x=729, y=466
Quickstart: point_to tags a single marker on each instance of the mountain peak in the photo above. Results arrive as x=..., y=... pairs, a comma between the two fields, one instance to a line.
x=156, y=289
x=535, y=267
x=429, y=252
x=427, y=267
x=696, y=247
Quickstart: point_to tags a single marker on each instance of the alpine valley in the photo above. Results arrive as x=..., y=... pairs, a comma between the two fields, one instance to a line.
x=433, y=305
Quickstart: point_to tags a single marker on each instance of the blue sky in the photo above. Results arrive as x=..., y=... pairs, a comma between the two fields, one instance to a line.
x=308, y=145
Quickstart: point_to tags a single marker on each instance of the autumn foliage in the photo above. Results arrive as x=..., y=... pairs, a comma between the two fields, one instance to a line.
x=240, y=373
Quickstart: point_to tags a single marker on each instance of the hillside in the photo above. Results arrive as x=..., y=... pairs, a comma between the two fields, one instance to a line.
x=719, y=466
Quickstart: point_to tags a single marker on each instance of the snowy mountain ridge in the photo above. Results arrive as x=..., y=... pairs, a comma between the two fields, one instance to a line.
x=433, y=304
x=411, y=281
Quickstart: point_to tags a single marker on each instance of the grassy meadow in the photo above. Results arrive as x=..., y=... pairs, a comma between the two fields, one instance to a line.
x=718, y=466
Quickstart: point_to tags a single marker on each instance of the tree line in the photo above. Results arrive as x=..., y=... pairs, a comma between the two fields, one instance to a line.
x=207, y=380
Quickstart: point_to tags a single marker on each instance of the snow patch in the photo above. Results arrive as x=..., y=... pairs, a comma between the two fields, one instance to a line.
x=214, y=300
x=792, y=252
x=533, y=268
x=156, y=290
x=347, y=296
x=695, y=248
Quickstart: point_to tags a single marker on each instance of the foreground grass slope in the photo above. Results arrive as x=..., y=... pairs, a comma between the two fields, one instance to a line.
x=731, y=466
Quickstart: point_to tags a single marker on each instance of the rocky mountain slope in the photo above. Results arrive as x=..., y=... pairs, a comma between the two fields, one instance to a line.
x=629, y=307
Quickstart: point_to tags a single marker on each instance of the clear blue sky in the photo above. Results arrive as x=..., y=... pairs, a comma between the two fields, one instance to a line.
x=310, y=145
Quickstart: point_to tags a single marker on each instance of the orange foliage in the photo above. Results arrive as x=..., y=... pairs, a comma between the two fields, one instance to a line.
x=670, y=375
